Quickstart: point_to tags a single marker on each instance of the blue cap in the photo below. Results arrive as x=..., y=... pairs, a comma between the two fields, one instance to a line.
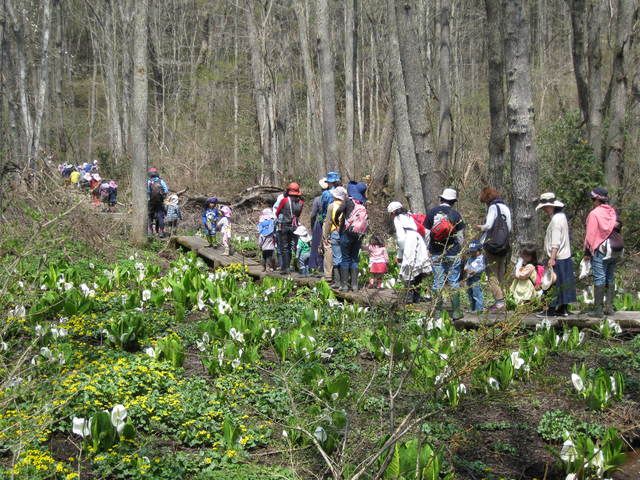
x=333, y=177
x=212, y=200
x=475, y=246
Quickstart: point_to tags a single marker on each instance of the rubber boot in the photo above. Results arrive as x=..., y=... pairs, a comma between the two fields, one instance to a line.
x=456, y=314
x=272, y=263
x=335, y=277
x=354, y=279
x=344, y=279
x=610, y=295
x=598, y=299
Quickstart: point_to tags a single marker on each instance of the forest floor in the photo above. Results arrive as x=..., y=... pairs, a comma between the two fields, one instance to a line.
x=226, y=377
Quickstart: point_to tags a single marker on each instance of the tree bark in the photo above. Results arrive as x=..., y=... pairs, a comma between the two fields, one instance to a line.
x=139, y=125
x=495, y=77
x=594, y=55
x=524, y=163
x=350, y=60
x=445, y=126
x=409, y=164
x=43, y=82
x=311, y=83
x=627, y=10
x=578, y=10
x=429, y=166
x=327, y=84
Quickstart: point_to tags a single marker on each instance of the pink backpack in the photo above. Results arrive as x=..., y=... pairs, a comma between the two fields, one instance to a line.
x=539, y=274
x=358, y=221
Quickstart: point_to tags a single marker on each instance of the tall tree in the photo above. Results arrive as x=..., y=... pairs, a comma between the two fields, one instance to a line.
x=522, y=148
x=595, y=14
x=445, y=125
x=627, y=11
x=410, y=174
x=139, y=124
x=495, y=77
x=327, y=83
x=350, y=63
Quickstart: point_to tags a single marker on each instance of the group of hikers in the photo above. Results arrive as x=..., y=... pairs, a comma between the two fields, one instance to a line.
x=87, y=178
x=435, y=243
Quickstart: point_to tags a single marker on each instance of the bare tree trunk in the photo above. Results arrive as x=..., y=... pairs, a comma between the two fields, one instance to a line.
x=445, y=126
x=327, y=83
x=139, y=125
x=312, y=86
x=350, y=65
x=594, y=54
x=380, y=177
x=430, y=168
x=409, y=164
x=524, y=163
x=495, y=59
x=578, y=10
x=613, y=166
x=110, y=69
x=59, y=73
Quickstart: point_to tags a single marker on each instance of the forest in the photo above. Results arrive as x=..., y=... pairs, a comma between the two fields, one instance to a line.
x=319, y=239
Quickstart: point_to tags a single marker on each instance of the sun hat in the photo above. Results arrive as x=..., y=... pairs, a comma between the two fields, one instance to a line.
x=294, y=189
x=339, y=193
x=266, y=214
x=393, y=206
x=599, y=193
x=333, y=177
x=173, y=199
x=225, y=211
x=549, y=199
x=303, y=233
x=323, y=183
x=474, y=246
x=449, y=194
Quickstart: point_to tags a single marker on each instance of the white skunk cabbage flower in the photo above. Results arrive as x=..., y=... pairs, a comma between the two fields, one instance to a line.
x=151, y=352
x=236, y=335
x=235, y=363
x=200, y=301
x=320, y=434
x=493, y=383
x=118, y=417
x=146, y=295
x=82, y=427
x=516, y=360
x=577, y=382
x=568, y=452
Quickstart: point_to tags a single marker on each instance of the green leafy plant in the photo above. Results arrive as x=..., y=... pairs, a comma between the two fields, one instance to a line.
x=585, y=459
x=600, y=389
x=413, y=460
x=171, y=349
x=555, y=423
x=126, y=331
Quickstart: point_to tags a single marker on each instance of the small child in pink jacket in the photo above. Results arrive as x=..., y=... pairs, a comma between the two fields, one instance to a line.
x=378, y=260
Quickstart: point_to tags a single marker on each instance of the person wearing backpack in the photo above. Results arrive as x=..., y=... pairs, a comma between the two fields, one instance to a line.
x=412, y=254
x=287, y=210
x=267, y=238
x=174, y=214
x=316, y=259
x=558, y=248
x=354, y=222
x=156, y=191
x=495, y=240
x=446, y=238
x=602, y=246
x=210, y=218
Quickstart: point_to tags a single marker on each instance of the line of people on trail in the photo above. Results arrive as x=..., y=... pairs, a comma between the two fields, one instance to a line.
x=163, y=207
x=86, y=178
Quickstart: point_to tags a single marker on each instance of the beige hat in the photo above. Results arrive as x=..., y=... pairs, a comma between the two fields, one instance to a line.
x=449, y=194
x=323, y=183
x=340, y=193
x=549, y=200
x=394, y=206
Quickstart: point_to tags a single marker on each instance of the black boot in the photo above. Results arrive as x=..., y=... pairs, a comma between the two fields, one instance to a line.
x=456, y=314
x=335, y=277
x=344, y=279
x=354, y=279
x=598, y=300
x=608, y=302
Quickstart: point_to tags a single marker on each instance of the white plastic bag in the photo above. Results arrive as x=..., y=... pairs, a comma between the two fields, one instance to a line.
x=585, y=268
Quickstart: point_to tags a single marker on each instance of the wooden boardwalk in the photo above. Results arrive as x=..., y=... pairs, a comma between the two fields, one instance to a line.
x=387, y=297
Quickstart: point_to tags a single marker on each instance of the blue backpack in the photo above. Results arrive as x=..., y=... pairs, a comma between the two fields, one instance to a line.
x=267, y=227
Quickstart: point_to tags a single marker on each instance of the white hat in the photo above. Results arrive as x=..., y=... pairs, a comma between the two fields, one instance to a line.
x=449, y=194
x=549, y=200
x=323, y=183
x=302, y=232
x=393, y=206
x=340, y=193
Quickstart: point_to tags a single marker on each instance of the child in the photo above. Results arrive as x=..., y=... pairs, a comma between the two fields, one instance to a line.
x=210, y=218
x=474, y=268
x=224, y=226
x=267, y=238
x=94, y=184
x=104, y=190
x=528, y=276
x=113, y=196
x=378, y=261
x=174, y=215
x=303, y=251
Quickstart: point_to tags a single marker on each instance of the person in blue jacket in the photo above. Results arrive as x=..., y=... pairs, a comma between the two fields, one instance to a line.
x=210, y=217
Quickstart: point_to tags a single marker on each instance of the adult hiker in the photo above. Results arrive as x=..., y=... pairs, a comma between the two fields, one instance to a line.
x=331, y=236
x=557, y=246
x=333, y=181
x=412, y=254
x=446, y=238
x=495, y=240
x=316, y=258
x=156, y=191
x=602, y=246
x=354, y=223
x=287, y=210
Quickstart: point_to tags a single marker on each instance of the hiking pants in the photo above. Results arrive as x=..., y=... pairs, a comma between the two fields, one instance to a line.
x=286, y=245
x=496, y=266
x=156, y=215
x=350, y=247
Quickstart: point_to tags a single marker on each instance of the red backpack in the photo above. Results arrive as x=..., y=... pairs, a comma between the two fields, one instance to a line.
x=442, y=228
x=419, y=219
x=358, y=221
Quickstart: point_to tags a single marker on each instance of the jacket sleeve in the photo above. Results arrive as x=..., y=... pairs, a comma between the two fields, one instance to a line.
x=401, y=236
x=491, y=217
x=165, y=188
x=315, y=210
x=326, y=226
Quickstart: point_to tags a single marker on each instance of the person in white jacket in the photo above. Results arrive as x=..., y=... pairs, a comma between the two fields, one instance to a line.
x=412, y=255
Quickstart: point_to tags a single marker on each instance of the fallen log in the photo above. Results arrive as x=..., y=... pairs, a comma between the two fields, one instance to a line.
x=264, y=195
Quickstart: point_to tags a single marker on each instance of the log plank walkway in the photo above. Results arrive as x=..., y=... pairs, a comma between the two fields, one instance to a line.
x=389, y=297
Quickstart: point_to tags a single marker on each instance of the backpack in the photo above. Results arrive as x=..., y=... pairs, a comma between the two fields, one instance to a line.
x=419, y=219
x=539, y=274
x=442, y=228
x=266, y=227
x=616, y=242
x=497, y=242
x=358, y=221
x=156, y=196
